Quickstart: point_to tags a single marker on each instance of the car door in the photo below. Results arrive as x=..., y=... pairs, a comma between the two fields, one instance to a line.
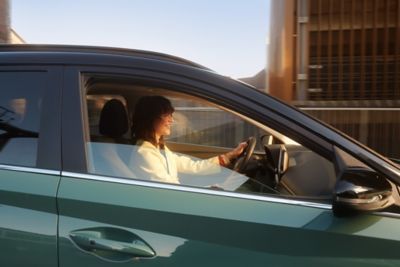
x=30, y=152
x=110, y=220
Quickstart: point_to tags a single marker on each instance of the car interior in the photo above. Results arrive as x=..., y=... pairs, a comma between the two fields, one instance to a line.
x=272, y=162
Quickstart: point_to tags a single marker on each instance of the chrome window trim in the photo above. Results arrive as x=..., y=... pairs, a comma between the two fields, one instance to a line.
x=29, y=169
x=195, y=190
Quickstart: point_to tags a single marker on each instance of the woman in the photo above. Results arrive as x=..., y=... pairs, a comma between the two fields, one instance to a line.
x=151, y=122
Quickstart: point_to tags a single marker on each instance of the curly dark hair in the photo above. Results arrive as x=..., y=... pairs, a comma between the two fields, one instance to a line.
x=148, y=111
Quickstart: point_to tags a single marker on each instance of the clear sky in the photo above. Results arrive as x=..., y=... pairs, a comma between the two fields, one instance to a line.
x=228, y=36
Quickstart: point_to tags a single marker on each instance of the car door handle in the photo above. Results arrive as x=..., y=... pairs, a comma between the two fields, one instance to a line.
x=111, y=243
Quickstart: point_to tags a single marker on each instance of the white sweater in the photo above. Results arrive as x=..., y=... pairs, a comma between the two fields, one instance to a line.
x=150, y=163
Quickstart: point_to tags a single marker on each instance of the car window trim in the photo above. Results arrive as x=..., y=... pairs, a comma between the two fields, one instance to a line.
x=211, y=192
x=184, y=188
x=321, y=145
x=29, y=169
x=73, y=158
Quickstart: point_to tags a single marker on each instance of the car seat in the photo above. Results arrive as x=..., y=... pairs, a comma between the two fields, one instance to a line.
x=111, y=152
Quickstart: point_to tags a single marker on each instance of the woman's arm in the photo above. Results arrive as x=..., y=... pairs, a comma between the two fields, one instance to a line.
x=185, y=164
x=207, y=166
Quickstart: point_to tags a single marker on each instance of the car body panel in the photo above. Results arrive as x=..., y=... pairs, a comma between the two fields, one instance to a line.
x=28, y=224
x=209, y=224
x=28, y=209
x=212, y=229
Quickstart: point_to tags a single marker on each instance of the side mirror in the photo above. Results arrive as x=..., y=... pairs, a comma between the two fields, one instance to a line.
x=360, y=190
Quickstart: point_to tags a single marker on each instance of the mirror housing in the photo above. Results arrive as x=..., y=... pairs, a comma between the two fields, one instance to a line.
x=359, y=190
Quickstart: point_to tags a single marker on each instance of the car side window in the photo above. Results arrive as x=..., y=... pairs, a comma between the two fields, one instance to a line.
x=198, y=145
x=21, y=97
x=201, y=123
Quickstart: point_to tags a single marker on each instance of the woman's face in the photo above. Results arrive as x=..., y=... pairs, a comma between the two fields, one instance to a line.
x=163, y=125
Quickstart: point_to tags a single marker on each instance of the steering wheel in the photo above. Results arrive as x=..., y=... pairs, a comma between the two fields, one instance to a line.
x=243, y=159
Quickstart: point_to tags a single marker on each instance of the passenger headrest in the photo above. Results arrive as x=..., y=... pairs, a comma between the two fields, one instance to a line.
x=113, y=119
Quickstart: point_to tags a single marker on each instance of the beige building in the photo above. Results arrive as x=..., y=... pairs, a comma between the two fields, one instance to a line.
x=7, y=34
x=4, y=21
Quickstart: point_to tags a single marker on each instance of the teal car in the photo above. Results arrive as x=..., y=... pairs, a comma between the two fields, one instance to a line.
x=301, y=194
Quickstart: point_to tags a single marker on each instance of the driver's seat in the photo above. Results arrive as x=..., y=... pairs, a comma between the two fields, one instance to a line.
x=111, y=152
x=113, y=124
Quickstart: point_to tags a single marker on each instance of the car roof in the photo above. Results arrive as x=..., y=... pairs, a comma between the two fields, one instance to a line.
x=94, y=50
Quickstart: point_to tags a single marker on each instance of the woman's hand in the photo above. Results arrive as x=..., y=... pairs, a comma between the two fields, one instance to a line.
x=237, y=151
x=233, y=154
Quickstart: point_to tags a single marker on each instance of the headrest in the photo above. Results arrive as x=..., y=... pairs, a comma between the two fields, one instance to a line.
x=113, y=119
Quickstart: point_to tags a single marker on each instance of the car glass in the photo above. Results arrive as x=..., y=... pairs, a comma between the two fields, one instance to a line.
x=20, y=105
x=199, y=133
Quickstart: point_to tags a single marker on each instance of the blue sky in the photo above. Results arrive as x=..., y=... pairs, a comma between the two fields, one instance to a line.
x=228, y=36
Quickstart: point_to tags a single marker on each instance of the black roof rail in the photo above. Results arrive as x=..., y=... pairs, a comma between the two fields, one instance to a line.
x=97, y=49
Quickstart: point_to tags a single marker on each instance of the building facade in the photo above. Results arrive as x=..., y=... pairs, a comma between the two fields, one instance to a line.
x=330, y=50
x=4, y=21
x=339, y=60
